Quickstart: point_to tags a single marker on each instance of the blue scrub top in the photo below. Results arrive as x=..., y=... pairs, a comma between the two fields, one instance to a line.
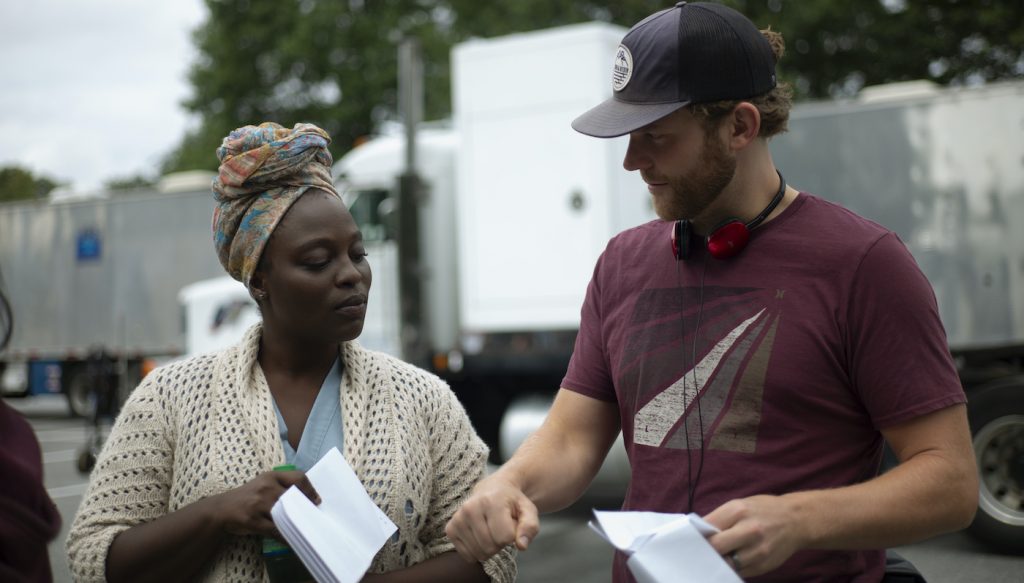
x=323, y=429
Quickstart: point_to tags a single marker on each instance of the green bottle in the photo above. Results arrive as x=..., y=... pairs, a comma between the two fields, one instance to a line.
x=283, y=565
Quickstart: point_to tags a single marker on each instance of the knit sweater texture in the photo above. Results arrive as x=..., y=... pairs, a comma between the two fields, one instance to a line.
x=206, y=425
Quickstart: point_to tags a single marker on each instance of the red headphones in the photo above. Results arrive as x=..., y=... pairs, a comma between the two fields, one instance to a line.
x=728, y=238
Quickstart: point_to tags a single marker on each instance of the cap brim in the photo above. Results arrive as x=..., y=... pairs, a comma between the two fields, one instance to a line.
x=614, y=118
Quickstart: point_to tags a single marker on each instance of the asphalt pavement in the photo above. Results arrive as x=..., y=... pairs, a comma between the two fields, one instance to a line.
x=565, y=551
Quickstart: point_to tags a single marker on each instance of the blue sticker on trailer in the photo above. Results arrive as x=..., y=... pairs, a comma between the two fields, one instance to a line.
x=44, y=377
x=89, y=245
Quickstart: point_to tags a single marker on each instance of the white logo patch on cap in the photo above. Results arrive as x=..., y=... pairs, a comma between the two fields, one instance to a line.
x=622, y=68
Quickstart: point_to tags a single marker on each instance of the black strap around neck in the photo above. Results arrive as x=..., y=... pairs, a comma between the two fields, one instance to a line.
x=756, y=221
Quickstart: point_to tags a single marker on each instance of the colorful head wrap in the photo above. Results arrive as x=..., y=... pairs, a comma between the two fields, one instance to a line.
x=264, y=170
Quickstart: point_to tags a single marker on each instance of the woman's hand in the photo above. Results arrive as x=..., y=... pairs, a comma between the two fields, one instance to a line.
x=152, y=551
x=246, y=509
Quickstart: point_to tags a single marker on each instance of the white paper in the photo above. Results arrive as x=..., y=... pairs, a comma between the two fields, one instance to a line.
x=665, y=548
x=338, y=539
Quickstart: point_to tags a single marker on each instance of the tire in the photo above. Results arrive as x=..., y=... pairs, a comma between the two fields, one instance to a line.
x=79, y=393
x=127, y=382
x=86, y=461
x=997, y=424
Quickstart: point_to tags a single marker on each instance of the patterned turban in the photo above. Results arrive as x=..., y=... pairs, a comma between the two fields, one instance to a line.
x=264, y=170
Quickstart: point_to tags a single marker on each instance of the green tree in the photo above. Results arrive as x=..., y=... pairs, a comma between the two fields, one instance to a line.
x=17, y=183
x=123, y=183
x=834, y=47
x=335, y=63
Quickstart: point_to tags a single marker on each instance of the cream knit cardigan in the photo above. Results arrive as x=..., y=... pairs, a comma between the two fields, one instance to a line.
x=202, y=426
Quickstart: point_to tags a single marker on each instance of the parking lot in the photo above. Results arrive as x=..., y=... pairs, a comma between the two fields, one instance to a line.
x=565, y=551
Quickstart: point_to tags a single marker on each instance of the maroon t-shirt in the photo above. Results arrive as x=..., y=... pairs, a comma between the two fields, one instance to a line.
x=767, y=373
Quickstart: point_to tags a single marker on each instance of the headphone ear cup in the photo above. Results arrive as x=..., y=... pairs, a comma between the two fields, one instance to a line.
x=727, y=239
x=682, y=233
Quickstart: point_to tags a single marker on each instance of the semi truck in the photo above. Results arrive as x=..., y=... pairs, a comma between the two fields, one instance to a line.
x=100, y=274
x=516, y=207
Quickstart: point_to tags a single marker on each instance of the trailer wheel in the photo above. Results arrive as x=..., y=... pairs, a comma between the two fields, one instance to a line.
x=997, y=423
x=86, y=461
x=79, y=393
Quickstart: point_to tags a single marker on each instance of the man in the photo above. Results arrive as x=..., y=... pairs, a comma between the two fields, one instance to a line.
x=755, y=346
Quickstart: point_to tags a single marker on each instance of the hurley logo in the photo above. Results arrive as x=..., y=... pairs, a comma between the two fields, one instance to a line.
x=622, y=68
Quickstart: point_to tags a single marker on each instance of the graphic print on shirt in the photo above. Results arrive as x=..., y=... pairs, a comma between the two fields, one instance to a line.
x=734, y=341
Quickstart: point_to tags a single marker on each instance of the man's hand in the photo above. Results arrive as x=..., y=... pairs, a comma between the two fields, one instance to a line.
x=496, y=514
x=936, y=461
x=758, y=533
x=554, y=465
x=246, y=509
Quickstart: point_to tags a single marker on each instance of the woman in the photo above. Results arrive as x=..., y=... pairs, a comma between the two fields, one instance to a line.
x=184, y=487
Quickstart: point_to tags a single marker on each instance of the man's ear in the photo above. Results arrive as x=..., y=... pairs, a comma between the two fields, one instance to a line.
x=744, y=124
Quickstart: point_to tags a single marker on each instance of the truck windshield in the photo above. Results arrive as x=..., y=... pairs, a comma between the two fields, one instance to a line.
x=372, y=211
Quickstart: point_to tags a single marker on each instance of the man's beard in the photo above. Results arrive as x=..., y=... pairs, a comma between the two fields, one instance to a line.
x=692, y=195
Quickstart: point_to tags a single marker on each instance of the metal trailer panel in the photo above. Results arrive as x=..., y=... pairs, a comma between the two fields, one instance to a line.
x=945, y=171
x=64, y=301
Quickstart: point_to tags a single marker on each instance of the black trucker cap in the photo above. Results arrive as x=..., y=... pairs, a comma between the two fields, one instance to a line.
x=694, y=52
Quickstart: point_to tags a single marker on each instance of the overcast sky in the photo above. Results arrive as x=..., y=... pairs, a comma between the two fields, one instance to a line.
x=91, y=88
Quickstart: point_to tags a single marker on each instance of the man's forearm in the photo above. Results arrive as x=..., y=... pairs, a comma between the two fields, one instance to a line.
x=552, y=468
x=927, y=495
x=548, y=472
